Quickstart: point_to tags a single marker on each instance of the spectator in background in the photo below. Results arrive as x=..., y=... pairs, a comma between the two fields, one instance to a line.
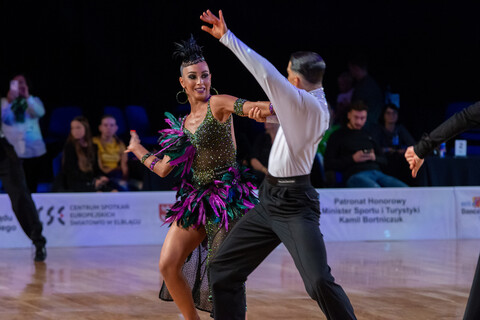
x=366, y=89
x=322, y=146
x=80, y=170
x=393, y=138
x=111, y=153
x=261, y=150
x=20, y=116
x=354, y=153
x=344, y=98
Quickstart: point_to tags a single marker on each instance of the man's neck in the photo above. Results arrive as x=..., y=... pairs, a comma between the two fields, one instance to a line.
x=390, y=126
x=310, y=87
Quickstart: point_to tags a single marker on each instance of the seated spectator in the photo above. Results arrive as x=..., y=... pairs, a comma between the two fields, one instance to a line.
x=261, y=150
x=80, y=171
x=20, y=124
x=354, y=153
x=111, y=153
x=393, y=138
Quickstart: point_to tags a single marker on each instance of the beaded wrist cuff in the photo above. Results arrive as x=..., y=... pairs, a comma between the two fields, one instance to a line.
x=238, y=106
x=154, y=162
x=145, y=157
x=270, y=107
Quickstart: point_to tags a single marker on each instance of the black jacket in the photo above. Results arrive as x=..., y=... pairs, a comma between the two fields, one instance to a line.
x=466, y=119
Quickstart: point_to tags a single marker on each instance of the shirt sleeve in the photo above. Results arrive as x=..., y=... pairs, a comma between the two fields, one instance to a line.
x=36, y=107
x=459, y=122
x=293, y=106
x=7, y=114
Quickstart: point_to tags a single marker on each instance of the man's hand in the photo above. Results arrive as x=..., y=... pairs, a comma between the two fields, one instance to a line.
x=219, y=27
x=413, y=160
x=361, y=156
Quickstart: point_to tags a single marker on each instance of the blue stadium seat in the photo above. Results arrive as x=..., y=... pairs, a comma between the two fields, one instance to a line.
x=59, y=123
x=137, y=119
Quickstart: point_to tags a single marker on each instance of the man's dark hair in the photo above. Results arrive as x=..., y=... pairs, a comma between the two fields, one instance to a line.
x=309, y=64
x=390, y=106
x=358, y=105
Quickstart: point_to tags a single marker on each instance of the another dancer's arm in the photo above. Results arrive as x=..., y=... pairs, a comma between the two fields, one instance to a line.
x=161, y=167
x=289, y=102
x=461, y=121
x=227, y=105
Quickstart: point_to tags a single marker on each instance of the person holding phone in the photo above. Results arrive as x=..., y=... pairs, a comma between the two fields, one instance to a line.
x=354, y=153
x=21, y=113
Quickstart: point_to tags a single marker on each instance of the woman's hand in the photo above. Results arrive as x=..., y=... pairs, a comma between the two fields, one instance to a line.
x=134, y=141
x=219, y=27
x=256, y=114
x=100, y=182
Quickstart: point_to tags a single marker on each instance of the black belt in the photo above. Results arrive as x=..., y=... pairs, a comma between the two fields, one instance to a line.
x=288, y=181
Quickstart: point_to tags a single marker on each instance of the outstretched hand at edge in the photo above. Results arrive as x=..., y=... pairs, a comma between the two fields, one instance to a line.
x=219, y=27
x=413, y=160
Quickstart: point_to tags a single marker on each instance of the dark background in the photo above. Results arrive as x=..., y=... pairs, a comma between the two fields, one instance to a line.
x=97, y=53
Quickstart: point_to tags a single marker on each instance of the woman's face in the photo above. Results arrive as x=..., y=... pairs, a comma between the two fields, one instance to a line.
x=390, y=116
x=77, y=130
x=108, y=127
x=196, y=80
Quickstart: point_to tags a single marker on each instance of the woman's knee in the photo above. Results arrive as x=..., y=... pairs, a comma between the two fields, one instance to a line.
x=168, y=266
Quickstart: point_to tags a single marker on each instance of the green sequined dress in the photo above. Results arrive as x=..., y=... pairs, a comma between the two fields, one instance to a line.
x=215, y=194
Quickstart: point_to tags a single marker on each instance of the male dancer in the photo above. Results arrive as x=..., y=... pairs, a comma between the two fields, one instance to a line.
x=13, y=180
x=289, y=208
x=459, y=122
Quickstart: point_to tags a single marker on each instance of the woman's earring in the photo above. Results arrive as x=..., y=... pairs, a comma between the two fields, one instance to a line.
x=215, y=90
x=179, y=93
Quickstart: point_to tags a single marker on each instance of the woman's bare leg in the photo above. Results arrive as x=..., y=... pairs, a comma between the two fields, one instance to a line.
x=179, y=243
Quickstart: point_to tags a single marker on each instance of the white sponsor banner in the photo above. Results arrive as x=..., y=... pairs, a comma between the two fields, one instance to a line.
x=468, y=212
x=134, y=218
x=92, y=219
x=387, y=214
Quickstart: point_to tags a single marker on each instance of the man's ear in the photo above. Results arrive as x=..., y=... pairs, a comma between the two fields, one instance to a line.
x=297, y=82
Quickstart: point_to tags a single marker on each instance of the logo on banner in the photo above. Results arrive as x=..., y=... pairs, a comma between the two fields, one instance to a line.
x=476, y=202
x=53, y=215
x=471, y=207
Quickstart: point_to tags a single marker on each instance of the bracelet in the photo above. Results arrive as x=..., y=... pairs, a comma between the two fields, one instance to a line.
x=146, y=156
x=238, y=106
x=154, y=162
x=270, y=107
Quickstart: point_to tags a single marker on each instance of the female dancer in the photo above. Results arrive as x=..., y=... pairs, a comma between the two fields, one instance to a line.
x=217, y=193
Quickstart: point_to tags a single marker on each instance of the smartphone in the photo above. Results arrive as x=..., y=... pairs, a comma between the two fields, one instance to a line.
x=14, y=85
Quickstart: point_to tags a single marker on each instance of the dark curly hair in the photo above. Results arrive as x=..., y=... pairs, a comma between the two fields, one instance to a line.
x=189, y=52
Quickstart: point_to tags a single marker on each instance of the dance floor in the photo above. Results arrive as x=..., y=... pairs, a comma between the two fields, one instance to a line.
x=409, y=280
